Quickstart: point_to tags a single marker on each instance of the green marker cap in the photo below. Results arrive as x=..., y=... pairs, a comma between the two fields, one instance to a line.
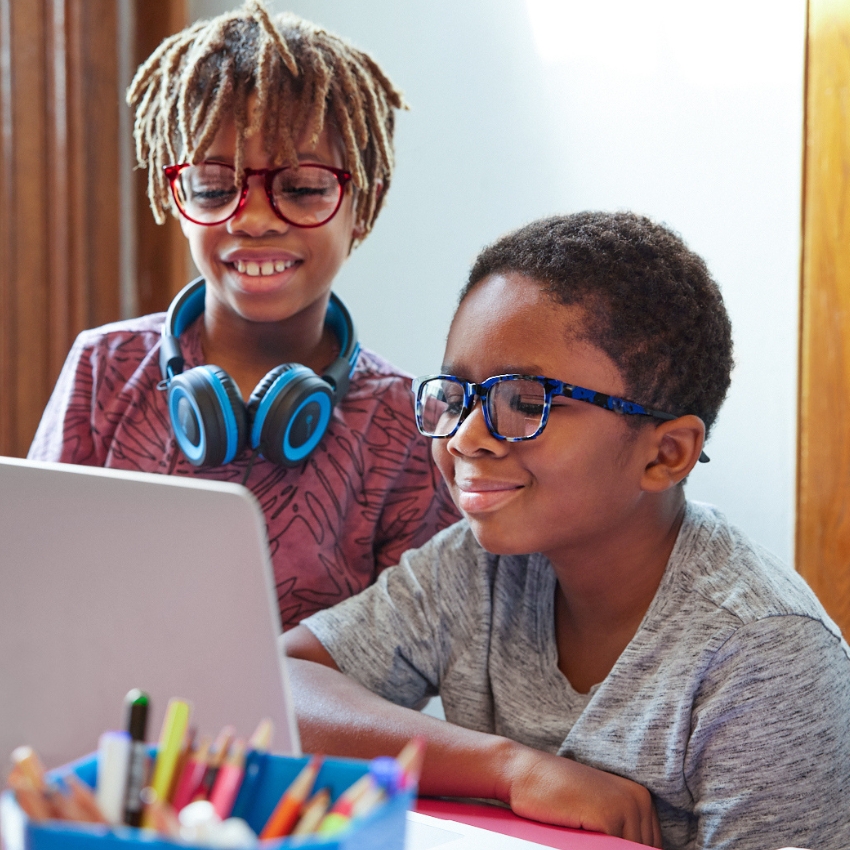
x=137, y=703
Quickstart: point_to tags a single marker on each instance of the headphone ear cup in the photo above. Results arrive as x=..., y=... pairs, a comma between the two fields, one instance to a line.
x=207, y=415
x=289, y=412
x=261, y=390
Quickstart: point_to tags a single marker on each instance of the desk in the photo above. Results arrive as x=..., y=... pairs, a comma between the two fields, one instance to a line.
x=502, y=820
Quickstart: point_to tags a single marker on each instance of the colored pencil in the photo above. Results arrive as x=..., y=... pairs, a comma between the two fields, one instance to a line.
x=229, y=778
x=313, y=812
x=171, y=739
x=285, y=814
x=215, y=759
x=192, y=776
x=259, y=745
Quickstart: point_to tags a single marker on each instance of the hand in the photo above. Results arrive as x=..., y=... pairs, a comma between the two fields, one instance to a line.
x=561, y=791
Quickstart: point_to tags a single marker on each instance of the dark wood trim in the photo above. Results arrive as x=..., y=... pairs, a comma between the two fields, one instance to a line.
x=163, y=264
x=25, y=224
x=61, y=96
x=8, y=335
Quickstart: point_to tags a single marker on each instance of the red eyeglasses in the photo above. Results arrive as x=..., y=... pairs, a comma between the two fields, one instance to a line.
x=307, y=196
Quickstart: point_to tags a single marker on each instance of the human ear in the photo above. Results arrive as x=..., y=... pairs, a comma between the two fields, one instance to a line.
x=675, y=447
x=357, y=234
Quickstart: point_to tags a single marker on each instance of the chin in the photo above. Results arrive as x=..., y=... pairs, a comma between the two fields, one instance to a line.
x=499, y=540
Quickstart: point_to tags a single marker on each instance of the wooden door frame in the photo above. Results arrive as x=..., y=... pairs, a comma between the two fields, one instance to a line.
x=823, y=484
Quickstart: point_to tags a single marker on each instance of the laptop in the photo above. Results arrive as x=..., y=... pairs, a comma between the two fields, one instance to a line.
x=114, y=580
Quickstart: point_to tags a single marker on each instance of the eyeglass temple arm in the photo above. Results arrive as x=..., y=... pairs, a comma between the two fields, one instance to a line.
x=621, y=405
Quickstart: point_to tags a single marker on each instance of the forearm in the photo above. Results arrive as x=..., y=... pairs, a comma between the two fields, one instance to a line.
x=336, y=715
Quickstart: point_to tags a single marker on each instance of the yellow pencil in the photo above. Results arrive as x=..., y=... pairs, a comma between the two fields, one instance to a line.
x=170, y=745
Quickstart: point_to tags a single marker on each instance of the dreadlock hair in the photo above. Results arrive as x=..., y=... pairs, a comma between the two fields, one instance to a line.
x=302, y=79
x=649, y=302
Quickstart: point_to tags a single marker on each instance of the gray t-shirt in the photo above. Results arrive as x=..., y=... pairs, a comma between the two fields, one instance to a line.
x=731, y=703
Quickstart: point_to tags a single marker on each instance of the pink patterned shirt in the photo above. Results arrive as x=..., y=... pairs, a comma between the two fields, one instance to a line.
x=369, y=492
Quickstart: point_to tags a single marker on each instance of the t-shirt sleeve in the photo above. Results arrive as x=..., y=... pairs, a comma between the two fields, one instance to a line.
x=65, y=432
x=768, y=763
x=397, y=636
x=417, y=504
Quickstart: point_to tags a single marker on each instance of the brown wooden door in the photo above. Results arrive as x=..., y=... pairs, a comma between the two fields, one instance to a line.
x=59, y=221
x=61, y=206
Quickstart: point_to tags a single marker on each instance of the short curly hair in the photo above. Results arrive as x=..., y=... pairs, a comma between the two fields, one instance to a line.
x=651, y=303
x=302, y=78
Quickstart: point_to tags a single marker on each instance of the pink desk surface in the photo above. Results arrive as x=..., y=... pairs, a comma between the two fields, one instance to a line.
x=505, y=821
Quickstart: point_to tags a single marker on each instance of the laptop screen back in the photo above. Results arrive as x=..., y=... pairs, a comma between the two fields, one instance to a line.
x=113, y=580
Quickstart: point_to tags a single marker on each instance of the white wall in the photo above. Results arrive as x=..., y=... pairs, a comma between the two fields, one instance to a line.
x=690, y=112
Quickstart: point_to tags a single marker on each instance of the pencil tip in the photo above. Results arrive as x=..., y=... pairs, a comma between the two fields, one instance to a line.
x=262, y=737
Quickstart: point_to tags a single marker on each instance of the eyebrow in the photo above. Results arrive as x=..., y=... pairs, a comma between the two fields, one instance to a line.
x=451, y=369
x=302, y=158
x=312, y=157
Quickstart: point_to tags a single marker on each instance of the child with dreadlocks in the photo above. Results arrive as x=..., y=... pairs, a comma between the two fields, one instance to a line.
x=272, y=140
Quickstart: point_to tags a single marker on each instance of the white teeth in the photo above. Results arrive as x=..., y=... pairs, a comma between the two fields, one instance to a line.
x=268, y=267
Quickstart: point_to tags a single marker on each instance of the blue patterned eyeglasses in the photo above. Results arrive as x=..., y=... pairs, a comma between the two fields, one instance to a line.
x=516, y=407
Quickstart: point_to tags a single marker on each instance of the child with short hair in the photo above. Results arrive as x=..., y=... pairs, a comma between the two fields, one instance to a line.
x=609, y=655
x=271, y=139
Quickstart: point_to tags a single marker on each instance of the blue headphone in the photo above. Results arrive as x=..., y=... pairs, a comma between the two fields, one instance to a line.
x=285, y=417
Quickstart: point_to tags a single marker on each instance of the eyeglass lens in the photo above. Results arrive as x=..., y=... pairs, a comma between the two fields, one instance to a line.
x=208, y=193
x=516, y=407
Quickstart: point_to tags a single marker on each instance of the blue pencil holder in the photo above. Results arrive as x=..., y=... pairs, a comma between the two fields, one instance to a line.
x=382, y=829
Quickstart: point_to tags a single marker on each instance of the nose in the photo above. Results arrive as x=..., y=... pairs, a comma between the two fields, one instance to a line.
x=256, y=217
x=473, y=437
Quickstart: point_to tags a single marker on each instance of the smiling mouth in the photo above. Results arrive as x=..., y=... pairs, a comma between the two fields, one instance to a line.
x=483, y=498
x=264, y=268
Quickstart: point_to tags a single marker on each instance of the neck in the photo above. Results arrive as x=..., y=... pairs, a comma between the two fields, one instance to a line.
x=247, y=350
x=605, y=589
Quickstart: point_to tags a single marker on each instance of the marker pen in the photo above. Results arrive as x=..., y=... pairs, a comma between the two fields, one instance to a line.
x=137, y=703
x=113, y=760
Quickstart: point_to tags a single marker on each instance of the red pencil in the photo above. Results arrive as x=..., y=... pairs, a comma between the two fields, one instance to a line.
x=228, y=780
x=192, y=775
x=218, y=751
